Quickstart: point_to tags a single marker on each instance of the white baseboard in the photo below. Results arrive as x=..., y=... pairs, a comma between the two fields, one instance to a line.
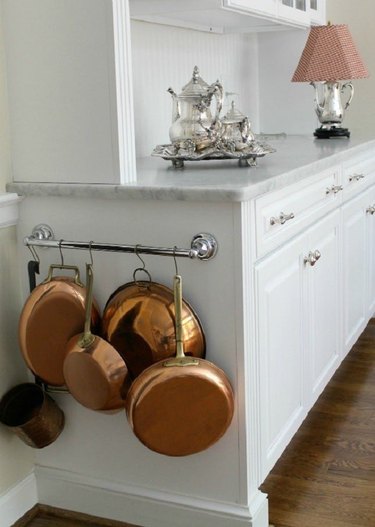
x=141, y=506
x=18, y=500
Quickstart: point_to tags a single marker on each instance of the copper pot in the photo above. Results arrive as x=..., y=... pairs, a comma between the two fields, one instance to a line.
x=183, y=405
x=32, y=415
x=52, y=314
x=94, y=372
x=139, y=321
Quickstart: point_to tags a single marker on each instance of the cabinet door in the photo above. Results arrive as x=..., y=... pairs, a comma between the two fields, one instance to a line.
x=317, y=12
x=370, y=211
x=354, y=267
x=295, y=11
x=279, y=283
x=324, y=306
x=265, y=7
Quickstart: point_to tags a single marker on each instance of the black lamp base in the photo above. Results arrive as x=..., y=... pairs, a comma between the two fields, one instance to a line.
x=326, y=133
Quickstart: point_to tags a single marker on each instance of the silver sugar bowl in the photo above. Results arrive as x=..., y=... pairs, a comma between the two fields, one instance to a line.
x=236, y=129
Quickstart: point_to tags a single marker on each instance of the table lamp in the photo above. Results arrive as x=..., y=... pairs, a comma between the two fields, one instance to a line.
x=329, y=57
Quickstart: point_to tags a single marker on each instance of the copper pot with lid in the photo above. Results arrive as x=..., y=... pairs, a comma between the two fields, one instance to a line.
x=139, y=321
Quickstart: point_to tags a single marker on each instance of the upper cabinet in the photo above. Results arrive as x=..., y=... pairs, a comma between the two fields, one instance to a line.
x=227, y=16
x=304, y=12
x=69, y=90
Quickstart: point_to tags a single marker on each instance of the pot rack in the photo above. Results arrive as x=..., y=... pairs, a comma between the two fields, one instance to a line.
x=203, y=245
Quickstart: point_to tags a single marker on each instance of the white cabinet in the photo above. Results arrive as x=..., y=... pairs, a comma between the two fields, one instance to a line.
x=225, y=16
x=303, y=12
x=358, y=262
x=264, y=7
x=298, y=330
x=317, y=12
x=294, y=11
x=370, y=212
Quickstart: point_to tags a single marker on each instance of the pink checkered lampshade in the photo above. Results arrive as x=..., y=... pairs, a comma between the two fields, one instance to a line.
x=329, y=55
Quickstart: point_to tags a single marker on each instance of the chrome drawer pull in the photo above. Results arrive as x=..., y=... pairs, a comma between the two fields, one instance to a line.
x=282, y=218
x=356, y=177
x=334, y=189
x=371, y=210
x=312, y=258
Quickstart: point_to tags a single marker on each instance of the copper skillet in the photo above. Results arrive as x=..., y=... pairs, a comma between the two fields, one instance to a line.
x=94, y=372
x=52, y=314
x=183, y=405
x=139, y=321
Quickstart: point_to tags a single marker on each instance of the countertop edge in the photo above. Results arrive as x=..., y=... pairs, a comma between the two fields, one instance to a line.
x=199, y=192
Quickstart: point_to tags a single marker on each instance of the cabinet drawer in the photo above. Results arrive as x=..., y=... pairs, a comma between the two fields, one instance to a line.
x=282, y=214
x=358, y=175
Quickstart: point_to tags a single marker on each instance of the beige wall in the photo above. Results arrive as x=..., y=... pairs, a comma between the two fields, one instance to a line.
x=5, y=169
x=16, y=459
x=360, y=18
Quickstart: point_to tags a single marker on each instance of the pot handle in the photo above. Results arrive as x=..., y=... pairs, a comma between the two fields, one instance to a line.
x=77, y=278
x=180, y=358
x=219, y=96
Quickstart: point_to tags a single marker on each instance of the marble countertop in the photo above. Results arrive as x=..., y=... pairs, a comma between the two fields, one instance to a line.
x=296, y=157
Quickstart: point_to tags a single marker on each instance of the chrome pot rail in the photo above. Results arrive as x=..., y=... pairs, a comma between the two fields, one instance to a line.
x=203, y=245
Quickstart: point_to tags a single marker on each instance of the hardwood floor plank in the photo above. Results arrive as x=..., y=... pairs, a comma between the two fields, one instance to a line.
x=326, y=476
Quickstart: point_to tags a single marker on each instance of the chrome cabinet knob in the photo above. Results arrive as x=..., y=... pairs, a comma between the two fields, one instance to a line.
x=356, y=177
x=312, y=257
x=371, y=210
x=282, y=218
x=334, y=189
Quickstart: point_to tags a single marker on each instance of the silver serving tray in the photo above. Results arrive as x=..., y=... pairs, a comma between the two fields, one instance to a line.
x=247, y=156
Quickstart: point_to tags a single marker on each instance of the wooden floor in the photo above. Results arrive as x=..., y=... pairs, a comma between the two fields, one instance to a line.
x=43, y=516
x=326, y=476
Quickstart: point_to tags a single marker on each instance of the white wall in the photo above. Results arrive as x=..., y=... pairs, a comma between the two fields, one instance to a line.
x=16, y=460
x=285, y=106
x=360, y=17
x=165, y=56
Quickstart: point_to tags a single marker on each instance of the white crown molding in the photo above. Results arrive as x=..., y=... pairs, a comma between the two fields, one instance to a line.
x=9, y=209
x=18, y=500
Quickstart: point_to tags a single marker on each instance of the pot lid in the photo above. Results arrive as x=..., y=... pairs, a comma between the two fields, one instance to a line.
x=233, y=116
x=195, y=87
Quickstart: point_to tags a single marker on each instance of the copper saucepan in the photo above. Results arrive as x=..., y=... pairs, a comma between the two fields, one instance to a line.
x=94, y=372
x=52, y=314
x=183, y=405
x=138, y=320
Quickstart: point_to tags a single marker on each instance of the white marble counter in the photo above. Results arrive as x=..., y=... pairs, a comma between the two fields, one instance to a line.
x=296, y=157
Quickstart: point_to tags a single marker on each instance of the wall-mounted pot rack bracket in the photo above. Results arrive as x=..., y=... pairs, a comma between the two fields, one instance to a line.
x=203, y=245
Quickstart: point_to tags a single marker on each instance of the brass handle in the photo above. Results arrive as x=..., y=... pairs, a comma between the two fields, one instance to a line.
x=282, y=218
x=356, y=177
x=77, y=278
x=334, y=189
x=312, y=258
x=371, y=210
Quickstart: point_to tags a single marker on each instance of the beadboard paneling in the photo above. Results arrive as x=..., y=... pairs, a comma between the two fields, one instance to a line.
x=165, y=56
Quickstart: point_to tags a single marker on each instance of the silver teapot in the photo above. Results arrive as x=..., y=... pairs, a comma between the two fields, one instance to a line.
x=192, y=119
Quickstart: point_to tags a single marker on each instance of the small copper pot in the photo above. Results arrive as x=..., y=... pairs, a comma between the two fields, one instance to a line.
x=32, y=415
x=94, y=372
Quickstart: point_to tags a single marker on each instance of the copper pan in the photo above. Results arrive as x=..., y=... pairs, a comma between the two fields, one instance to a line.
x=139, y=321
x=52, y=314
x=94, y=372
x=183, y=405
